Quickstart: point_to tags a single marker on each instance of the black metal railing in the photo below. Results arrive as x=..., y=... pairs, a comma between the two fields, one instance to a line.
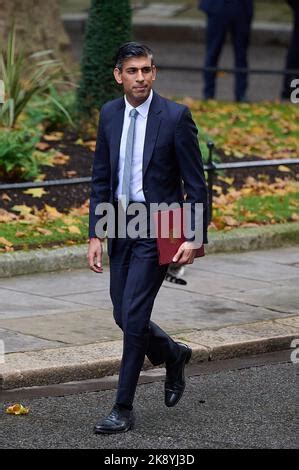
x=211, y=168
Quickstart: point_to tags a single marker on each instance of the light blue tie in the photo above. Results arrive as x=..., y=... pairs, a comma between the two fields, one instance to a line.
x=129, y=157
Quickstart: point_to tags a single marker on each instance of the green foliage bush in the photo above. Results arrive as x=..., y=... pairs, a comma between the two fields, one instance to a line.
x=108, y=26
x=19, y=158
x=52, y=116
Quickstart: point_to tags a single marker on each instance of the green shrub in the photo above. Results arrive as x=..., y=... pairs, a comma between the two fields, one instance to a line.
x=108, y=26
x=51, y=116
x=19, y=158
x=25, y=77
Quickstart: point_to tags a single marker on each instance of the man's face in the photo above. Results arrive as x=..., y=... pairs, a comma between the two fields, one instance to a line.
x=136, y=76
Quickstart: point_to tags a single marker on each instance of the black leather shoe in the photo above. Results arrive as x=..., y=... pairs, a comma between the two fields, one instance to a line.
x=119, y=420
x=175, y=377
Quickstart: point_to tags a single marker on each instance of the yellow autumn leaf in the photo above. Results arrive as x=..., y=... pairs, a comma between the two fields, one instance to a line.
x=79, y=141
x=284, y=168
x=74, y=229
x=295, y=217
x=52, y=212
x=5, y=242
x=217, y=188
x=35, y=192
x=22, y=209
x=17, y=409
x=226, y=179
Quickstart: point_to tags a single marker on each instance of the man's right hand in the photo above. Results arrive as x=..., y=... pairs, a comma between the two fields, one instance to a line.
x=94, y=255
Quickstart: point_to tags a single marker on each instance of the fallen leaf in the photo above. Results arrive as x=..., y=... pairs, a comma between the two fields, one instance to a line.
x=52, y=212
x=5, y=242
x=60, y=158
x=74, y=229
x=295, y=217
x=35, y=192
x=230, y=221
x=20, y=234
x=71, y=173
x=6, y=216
x=53, y=137
x=284, y=168
x=22, y=209
x=44, y=231
x=17, y=409
x=5, y=197
x=91, y=144
x=42, y=146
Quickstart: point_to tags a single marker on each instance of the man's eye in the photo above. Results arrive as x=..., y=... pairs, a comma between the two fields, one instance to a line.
x=146, y=70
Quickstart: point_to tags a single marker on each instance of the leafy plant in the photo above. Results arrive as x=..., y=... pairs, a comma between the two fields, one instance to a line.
x=19, y=158
x=46, y=111
x=25, y=77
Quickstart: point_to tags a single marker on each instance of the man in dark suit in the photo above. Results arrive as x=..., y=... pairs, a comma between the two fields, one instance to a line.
x=223, y=16
x=162, y=150
x=292, y=59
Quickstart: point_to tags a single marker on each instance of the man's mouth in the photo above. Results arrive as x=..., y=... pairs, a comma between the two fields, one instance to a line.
x=140, y=88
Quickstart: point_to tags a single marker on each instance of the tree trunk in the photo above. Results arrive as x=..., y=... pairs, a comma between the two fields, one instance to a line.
x=38, y=27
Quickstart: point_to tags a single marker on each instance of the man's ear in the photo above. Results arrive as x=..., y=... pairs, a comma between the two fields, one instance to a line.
x=154, y=72
x=117, y=76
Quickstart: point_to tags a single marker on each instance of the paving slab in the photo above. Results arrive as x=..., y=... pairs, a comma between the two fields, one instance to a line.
x=17, y=342
x=18, y=304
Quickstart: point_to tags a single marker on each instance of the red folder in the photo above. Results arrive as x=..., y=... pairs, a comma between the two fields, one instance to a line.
x=167, y=247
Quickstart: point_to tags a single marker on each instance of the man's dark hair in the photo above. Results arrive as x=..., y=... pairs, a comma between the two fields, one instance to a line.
x=132, y=49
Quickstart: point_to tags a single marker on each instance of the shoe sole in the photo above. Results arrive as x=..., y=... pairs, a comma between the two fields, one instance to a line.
x=104, y=431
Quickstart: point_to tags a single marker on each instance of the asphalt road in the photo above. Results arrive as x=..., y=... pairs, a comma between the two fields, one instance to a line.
x=243, y=403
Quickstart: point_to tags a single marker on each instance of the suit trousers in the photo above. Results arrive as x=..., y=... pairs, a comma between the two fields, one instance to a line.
x=135, y=279
x=234, y=19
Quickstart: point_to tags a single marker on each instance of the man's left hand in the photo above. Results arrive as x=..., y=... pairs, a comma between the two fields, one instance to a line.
x=185, y=254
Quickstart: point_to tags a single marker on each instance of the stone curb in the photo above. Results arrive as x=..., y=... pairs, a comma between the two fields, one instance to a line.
x=67, y=364
x=183, y=29
x=74, y=257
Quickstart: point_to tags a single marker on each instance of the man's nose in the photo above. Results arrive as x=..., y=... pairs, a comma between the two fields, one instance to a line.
x=140, y=76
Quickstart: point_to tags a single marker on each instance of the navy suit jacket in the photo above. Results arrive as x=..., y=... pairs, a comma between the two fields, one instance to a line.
x=171, y=154
x=218, y=6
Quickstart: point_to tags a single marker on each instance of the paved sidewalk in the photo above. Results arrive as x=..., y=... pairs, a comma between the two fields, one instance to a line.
x=52, y=319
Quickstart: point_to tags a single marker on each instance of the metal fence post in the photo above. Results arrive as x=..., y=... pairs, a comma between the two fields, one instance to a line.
x=211, y=171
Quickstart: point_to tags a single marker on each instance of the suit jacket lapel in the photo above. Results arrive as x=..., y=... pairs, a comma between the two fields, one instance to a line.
x=152, y=129
x=116, y=131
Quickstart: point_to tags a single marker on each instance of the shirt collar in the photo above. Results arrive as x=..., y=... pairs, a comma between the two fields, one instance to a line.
x=143, y=109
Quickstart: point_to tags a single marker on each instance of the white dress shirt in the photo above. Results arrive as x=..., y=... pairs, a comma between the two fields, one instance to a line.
x=136, y=190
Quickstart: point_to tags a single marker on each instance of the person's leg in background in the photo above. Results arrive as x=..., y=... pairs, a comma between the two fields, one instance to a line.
x=215, y=36
x=292, y=59
x=240, y=30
